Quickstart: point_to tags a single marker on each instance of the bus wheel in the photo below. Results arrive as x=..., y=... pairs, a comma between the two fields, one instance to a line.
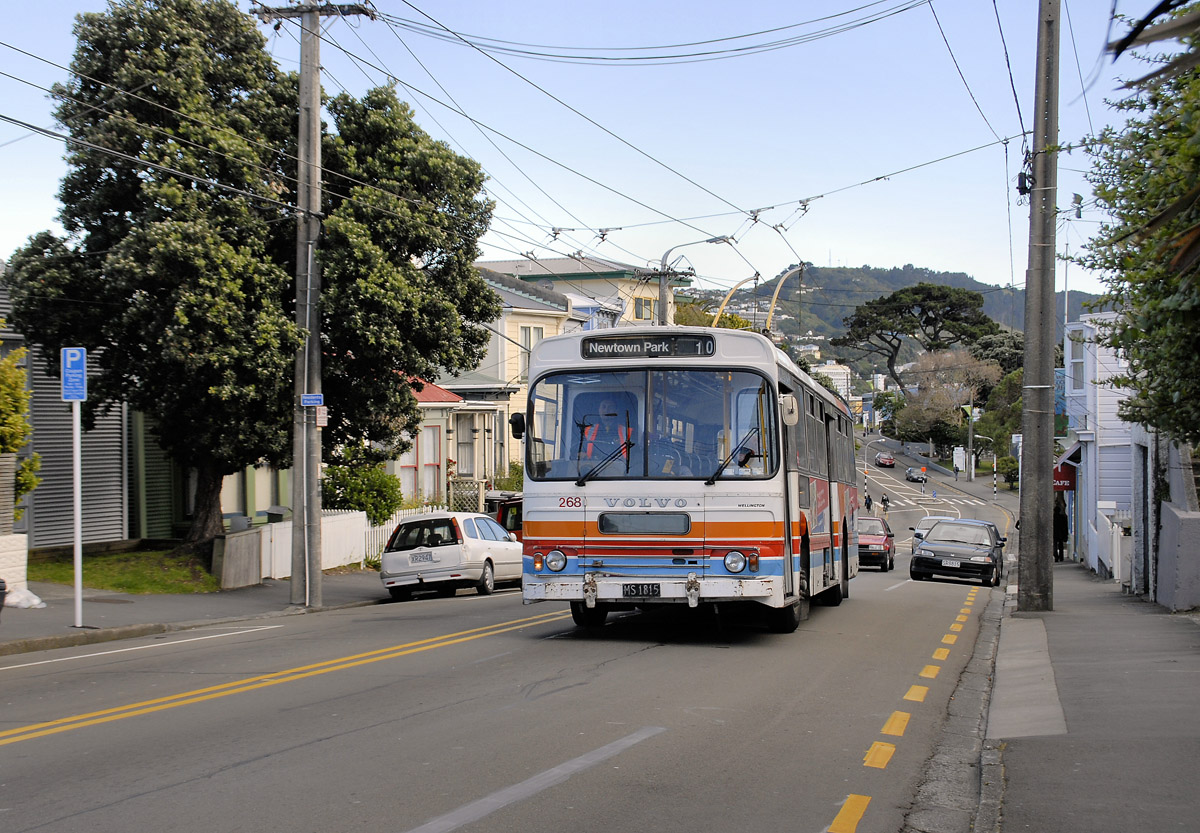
x=783, y=619
x=845, y=588
x=833, y=596
x=588, y=617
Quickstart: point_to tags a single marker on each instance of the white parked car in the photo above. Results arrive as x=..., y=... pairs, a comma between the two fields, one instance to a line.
x=448, y=550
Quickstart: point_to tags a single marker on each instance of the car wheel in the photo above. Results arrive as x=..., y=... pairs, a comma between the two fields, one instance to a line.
x=400, y=594
x=487, y=581
x=915, y=576
x=588, y=617
x=997, y=577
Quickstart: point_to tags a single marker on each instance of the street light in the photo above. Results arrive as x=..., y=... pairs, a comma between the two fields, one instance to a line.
x=664, y=278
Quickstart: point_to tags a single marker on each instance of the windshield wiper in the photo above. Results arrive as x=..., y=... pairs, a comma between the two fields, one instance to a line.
x=623, y=448
x=737, y=449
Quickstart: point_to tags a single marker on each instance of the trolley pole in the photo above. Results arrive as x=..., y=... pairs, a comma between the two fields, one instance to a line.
x=1035, y=572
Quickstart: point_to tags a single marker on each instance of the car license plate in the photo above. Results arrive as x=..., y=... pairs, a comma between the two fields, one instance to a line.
x=641, y=591
x=421, y=558
x=949, y=562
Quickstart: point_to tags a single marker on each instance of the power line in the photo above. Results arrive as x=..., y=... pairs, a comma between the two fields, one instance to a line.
x=563, y=54
x=583, y=116
x=974, y=101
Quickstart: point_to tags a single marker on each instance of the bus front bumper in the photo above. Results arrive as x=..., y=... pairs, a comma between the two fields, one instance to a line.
x=691, y=590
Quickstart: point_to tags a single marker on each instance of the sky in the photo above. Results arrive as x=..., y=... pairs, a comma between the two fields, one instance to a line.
x=868, y=133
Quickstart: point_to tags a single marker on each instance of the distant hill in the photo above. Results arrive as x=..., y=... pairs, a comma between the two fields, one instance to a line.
x=830, y=294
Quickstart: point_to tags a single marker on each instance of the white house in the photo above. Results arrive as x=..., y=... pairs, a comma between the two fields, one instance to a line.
x=1098, y=444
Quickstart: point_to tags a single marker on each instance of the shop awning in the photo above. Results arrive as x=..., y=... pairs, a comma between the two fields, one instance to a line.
x=1071, y=455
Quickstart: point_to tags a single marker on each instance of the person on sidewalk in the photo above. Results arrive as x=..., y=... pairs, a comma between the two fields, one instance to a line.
x=1060, y=527
x=867, y=502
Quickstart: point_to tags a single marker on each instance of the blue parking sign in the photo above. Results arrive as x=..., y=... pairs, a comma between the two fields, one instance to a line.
x=74, y=374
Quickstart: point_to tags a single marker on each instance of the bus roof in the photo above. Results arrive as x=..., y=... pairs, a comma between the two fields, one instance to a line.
x=647, y=343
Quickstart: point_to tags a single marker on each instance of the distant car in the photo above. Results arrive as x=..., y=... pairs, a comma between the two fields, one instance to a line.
x=876, y=543
x=960, y=549
x=444, y=551
x=915, y=475
x=924, y=525
x=885, y=460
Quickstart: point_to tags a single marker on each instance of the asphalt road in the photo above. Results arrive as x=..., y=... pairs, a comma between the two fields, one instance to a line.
x=479, y=714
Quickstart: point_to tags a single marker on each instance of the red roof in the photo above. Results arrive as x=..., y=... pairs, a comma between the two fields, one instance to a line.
x=432, y=394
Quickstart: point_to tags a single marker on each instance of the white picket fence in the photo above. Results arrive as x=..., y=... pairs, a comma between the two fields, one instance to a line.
x=346, y=538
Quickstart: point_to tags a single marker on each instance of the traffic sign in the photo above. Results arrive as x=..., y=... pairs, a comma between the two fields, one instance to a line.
x=312, y=400
x=73, y=368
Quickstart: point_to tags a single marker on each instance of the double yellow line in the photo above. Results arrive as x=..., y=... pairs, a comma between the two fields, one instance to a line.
x=187, y=698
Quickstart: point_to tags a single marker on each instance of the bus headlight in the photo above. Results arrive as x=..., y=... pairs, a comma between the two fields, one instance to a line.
x=735, y=562
x=556, y=560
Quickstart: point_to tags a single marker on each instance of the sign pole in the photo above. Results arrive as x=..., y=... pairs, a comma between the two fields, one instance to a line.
x=77, y=473
x=73, y=371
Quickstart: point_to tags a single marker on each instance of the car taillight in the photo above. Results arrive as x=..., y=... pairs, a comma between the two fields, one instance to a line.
x=458, y=539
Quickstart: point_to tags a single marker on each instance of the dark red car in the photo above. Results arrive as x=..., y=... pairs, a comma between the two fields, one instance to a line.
x=885, y=460
x=876, y=543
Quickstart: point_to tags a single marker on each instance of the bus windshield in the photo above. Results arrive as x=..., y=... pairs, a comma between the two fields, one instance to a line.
x=652, y=424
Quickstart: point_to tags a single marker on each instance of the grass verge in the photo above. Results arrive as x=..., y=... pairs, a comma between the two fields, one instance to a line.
x=150, y=571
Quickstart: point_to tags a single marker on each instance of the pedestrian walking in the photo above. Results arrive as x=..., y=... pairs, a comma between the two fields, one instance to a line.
x=867, y=502
x=956, y=471
x=1060, y=527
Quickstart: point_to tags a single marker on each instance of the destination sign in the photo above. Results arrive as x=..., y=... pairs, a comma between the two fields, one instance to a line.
x=647, y=347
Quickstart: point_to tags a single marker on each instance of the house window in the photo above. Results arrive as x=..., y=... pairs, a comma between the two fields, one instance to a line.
x=1077, y=363
x=645, y=309
x=407, y=472
x=529, y=337
x=465, y=444
x=431, y=462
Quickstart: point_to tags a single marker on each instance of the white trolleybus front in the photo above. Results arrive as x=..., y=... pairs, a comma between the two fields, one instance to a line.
x=683, y=466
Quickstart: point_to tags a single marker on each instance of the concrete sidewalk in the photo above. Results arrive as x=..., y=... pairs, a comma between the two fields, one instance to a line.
x=1095, y=713
x=108, y=616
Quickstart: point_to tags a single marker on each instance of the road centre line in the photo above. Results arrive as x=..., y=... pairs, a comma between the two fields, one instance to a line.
x=850, y=815
x=896, y=724
x=930, y=672
x=941, y=653
x=186, y=698
x=487, y=805
x=140, y=647
x=879, y=754
x=917, y=693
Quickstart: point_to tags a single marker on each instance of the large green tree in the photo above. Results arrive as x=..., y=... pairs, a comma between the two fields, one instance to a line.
x=177, y=267
x=1145, y=175
x=931, y=316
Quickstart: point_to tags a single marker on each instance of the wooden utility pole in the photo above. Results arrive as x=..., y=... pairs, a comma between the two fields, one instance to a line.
x=306, y=438
x=1035, y=577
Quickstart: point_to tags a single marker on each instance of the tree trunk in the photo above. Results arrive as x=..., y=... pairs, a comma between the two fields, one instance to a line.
x=206, y=517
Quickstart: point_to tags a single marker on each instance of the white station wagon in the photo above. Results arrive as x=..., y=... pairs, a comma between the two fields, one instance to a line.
x=444, y=551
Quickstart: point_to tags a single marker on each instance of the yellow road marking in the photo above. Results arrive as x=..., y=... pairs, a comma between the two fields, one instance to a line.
x=896, y=724
x=879, y=754
x=956, y=628
x=930, y=671
x=941, y=653
x=850, y=815
x=949, y=639
x=961, y=618
x=186, y=698
x=965, y=610
x=917, y=693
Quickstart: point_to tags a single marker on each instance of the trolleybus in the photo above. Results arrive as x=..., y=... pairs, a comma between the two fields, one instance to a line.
x=687, y=466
